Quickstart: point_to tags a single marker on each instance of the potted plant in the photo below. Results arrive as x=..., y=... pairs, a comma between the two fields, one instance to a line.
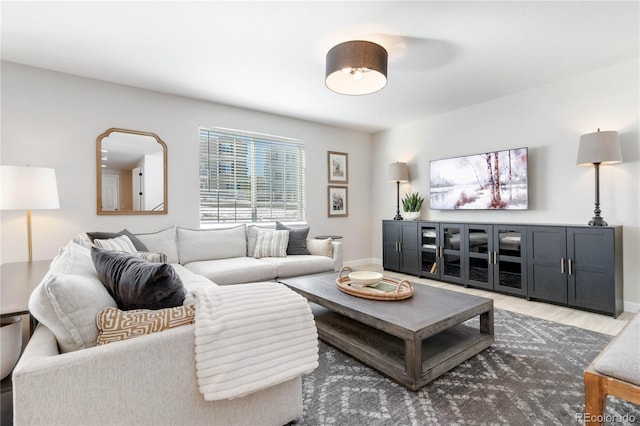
x=412, y=203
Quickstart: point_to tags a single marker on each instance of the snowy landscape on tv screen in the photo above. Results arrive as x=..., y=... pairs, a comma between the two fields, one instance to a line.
x=492, y=180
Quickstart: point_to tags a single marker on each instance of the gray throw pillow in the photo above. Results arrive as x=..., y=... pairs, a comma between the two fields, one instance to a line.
x=139, y=245
x=135, y=283
x=297, y=238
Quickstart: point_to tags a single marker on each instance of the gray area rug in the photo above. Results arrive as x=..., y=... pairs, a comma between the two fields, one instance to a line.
x=532, y=375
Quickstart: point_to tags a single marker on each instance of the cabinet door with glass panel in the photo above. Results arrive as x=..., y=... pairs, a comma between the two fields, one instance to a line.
x=441, y=251
x=509, y=259
x=452, y=258
x=479, y=249
x=429, y=250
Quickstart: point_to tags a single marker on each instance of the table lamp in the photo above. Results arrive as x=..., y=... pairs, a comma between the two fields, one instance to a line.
x=595, y=149
x=28, y=188
x=398, y=172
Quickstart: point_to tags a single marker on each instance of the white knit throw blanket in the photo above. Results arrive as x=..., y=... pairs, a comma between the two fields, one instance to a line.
x=250, y=337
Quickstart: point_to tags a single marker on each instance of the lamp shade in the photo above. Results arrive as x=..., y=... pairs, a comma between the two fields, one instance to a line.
x=599, y=148
x=356, y=68
x=398, y=172
x=28, y=188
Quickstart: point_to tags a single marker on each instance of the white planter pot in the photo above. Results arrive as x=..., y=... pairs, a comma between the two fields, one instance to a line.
x=411, y=215
x=10, y=343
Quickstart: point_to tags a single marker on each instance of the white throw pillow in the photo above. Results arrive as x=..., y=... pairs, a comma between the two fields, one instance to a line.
x=164, y=241
x=252, y=237
x=69, y=298
x=271, y=244
x=150, y=256
x=320, y=247
x=122, y=243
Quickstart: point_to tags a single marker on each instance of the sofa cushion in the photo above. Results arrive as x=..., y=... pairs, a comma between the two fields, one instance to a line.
x=69, y=298
x=292, y=266
x=211, y=244
x=191, y=280
x=106, y=235
x=135, y=283
x=620, y=360
x=121, y=243
x=252, y=237
x=235, y=270
x=164, y=241
x=320, y=247
x=271, y=244
x=115, y=325
x=297, y=239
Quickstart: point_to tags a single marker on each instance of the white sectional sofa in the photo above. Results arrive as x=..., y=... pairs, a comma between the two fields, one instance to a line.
x=226, y=256
x=63, y=378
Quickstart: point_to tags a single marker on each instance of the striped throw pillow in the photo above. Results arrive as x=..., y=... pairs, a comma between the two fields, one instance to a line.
x=122, y=243
x=115, y=325
x=271, y=244
x=150, y=256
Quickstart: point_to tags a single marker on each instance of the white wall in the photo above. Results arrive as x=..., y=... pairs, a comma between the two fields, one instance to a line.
x=52, y=119
x=549, y=120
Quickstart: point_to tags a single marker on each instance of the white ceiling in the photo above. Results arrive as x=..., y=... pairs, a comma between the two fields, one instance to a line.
x=270, y=56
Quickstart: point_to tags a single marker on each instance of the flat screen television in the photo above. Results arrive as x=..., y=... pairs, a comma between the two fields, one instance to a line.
x=487, y=181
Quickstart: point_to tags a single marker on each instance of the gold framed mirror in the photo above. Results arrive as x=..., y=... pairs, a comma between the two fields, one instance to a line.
x=131, y=169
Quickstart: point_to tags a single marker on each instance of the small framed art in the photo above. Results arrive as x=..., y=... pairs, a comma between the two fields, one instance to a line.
x=338, y=201
x=338, y=167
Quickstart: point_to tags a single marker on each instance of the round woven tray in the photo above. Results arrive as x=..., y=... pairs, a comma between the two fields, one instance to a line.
x=403, y=289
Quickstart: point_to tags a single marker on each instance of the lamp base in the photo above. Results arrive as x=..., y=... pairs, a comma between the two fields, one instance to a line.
x=597, y=221
x=398, y=217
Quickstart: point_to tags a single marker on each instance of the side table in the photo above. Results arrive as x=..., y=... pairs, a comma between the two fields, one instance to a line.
x=324, y=237
x=17, y=281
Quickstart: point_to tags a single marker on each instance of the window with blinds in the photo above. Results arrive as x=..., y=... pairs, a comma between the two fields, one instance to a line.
x=249, y=177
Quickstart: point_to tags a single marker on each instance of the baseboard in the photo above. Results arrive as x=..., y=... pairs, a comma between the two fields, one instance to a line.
x=631, y=307
x=359, y=262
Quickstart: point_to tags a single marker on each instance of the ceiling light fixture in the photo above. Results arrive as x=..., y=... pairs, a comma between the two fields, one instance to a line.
x=356, y=68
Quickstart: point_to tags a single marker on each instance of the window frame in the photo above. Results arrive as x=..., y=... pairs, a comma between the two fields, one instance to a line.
x=247, y=177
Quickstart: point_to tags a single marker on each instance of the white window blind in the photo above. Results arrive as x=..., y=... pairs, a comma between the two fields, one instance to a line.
x=249, y=177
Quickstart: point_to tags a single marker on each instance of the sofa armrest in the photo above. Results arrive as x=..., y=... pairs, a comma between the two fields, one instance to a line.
x=337, y=255
x=146, y=380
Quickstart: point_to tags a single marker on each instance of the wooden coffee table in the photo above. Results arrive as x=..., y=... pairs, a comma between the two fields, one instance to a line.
x=412, y=341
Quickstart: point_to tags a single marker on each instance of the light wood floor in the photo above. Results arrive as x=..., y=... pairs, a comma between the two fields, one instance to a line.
x=577, y=318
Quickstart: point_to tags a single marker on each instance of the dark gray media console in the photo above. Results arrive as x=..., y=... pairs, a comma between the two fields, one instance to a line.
x=571, y=265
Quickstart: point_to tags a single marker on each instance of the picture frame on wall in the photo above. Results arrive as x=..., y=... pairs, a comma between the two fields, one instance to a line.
x=338, y=201
x=338, y=163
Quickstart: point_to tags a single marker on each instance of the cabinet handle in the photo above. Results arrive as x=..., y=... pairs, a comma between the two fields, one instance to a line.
x=570, y=266
x=495, y=257
x=400, y=245
x=562, y=265
x=397, y=247
x=489, y=255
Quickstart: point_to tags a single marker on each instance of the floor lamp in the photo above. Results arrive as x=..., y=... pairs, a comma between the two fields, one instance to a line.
x=596, y=149
x=28, y=188
x=398, y=172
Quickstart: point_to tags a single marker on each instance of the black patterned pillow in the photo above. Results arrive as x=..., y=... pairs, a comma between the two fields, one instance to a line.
x=115, y=325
